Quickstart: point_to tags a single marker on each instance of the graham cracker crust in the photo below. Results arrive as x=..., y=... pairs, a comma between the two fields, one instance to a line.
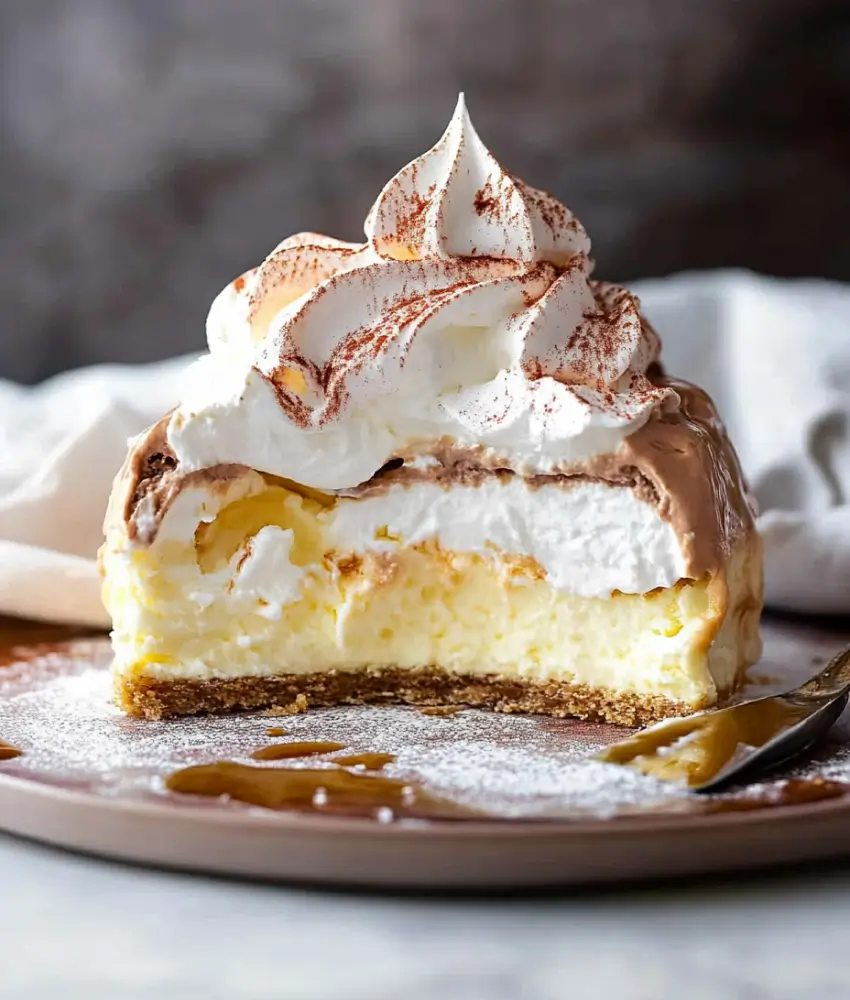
x=154, y=699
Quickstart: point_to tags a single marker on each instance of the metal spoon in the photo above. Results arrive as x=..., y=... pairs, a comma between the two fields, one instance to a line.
x=711, y=750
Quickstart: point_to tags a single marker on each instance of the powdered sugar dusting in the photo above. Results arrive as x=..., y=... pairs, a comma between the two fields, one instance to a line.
x=57, y=709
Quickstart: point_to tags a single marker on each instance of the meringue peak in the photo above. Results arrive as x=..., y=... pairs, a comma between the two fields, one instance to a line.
x=456, y=200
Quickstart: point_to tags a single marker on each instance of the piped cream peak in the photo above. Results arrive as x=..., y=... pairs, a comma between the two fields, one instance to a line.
x=469, y=313
x=456, y=200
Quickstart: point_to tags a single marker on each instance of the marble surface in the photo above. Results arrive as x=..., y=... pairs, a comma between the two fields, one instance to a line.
x=77, y=928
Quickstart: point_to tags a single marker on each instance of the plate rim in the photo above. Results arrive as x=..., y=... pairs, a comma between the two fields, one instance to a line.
x=433, y=855
x=272, y=819
x=189, y=833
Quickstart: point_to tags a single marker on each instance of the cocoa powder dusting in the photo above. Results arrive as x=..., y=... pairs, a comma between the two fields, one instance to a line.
x=410, y=230
x=485, y=201
x=366, y=344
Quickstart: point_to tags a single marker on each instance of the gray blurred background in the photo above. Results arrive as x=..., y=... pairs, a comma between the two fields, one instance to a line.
x=150, y=150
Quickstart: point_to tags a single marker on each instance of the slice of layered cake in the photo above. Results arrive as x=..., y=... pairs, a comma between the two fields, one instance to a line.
x=441, y=466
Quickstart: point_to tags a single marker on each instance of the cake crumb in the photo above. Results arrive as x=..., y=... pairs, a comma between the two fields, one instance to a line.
x=301, y=704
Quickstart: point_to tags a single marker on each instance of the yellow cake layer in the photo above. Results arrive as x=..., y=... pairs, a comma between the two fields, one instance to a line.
x=178, y=614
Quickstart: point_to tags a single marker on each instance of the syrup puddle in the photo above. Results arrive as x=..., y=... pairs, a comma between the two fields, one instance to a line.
x=370, y=761
x=316, y=791
x=696, y=749
x=794, y=792
x=8, y=752
x=306, y=748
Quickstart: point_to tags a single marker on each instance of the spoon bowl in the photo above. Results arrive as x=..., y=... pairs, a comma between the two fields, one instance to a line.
x=712, y=750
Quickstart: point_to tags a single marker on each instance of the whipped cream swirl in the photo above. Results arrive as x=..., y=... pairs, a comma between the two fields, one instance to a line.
x=469, y=315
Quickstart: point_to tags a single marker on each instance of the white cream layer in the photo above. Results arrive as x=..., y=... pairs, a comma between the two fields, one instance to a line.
x=589, y=539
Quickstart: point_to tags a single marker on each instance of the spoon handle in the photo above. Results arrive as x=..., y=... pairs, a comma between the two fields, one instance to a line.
x=834, y=677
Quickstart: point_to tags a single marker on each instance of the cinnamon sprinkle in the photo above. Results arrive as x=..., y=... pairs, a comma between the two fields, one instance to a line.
x=485, y=201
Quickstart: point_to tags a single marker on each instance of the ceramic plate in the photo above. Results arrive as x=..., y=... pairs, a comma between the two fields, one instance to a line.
x=523, y=804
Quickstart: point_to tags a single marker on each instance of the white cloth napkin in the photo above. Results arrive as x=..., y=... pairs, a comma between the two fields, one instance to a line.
x=774, y=354
x=61, y=444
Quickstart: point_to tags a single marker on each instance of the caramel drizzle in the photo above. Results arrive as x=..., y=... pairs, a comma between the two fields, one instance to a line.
x=369, y=761
x=8, y=752
x=286, y=751
x=312, y=790
x=695, y=750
